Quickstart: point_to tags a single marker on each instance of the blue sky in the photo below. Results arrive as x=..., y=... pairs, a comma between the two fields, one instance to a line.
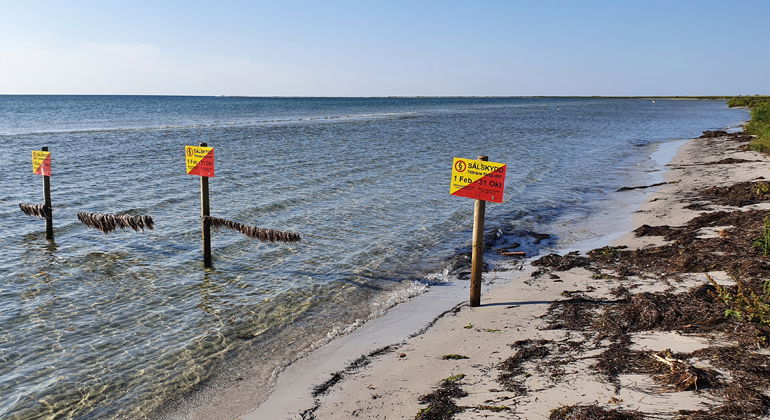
x=367, y=48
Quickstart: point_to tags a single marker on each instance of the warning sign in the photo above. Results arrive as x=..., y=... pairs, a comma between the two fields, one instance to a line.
x=478, y=179
x=200, y=160
x=41, y=163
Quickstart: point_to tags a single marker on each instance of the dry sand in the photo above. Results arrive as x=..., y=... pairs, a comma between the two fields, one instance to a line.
x=389, y=385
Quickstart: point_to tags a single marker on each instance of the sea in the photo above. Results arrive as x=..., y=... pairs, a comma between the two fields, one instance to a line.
x=128, y=324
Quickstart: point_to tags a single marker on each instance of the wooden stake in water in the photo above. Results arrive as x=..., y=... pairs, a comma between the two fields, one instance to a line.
x=47, y=203
x=205, y=225
x=477, y=255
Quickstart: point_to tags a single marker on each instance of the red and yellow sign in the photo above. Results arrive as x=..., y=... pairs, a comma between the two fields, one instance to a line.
x=41, y=163
x=478, y=179
x=200, y=160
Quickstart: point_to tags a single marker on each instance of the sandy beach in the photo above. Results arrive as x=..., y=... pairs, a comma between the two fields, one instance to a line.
x=631, y=330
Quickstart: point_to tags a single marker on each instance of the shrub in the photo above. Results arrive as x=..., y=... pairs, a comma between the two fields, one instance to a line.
x=744, y=304
x=759, y=126
x=747, y=101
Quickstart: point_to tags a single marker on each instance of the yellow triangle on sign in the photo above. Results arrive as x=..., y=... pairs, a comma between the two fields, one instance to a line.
x=468, y=171
x=194, y=155
x=38, y=157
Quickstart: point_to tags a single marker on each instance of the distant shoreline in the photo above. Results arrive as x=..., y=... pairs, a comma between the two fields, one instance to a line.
x=662, y=97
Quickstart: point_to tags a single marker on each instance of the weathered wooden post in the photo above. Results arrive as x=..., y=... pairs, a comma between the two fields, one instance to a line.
x=205, y=225
x=47, y=196
x=477, y=251
x=200, y=161
x=41, y=165
x=483, y=181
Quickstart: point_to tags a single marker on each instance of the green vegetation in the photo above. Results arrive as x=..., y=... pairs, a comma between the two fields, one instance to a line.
x=759, y=126
x=744, y=304
x=761, y=189
x=763, y=242
x=747, y=101
x=454, y=378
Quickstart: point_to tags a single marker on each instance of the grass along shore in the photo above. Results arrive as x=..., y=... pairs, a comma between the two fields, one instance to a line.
x=759, y=126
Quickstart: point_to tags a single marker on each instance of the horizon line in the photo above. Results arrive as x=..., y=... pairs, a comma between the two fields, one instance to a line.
x=398, y=96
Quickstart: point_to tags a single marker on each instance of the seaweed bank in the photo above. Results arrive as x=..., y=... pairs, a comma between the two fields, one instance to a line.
x=670, y=321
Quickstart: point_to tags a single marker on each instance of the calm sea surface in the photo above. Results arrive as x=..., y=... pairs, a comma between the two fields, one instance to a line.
x=116, y=326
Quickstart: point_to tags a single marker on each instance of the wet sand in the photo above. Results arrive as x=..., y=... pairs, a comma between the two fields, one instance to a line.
x=509, y=358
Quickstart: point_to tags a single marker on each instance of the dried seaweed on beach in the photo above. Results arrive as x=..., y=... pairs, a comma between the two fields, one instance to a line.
x=592, y=412
x=730, y=161
x=441, y=404
x=739, y=136
x=262, y=234
x=749, y=369
x=713, y=133
x=738, y=403
x=674, y=371
x=680, y=374
x=639, y=187
x=562, y=262
x=666, y=231
x=739, y=194
x=697, y=308
x=36, y=210
x=110, y=222
x=512, y=369
x=731, y=251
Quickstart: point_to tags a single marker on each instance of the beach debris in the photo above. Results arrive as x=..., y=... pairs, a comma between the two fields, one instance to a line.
x=454, y=357
x=36, y=210
x=730, y=161
x=262, y=234
x=639, y=187
x=336, y=377
x=732, y=251
x=713, y=133
x=738, y=195
x=592, y=412
x=441, y=404
x=663, y=230
x=562, y=262
x=512, y=369
x=110, y=222
x=493, y=408
x=682, y=375
x=736, y=136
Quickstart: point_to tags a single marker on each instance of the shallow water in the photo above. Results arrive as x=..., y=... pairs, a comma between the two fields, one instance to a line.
x=115, y=325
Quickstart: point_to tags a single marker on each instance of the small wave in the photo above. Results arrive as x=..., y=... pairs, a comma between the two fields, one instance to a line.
x=209, y=125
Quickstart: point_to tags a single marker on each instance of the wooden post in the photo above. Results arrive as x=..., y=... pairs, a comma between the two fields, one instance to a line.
x=47, y=203
x=477, y=256
x=205, y=226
